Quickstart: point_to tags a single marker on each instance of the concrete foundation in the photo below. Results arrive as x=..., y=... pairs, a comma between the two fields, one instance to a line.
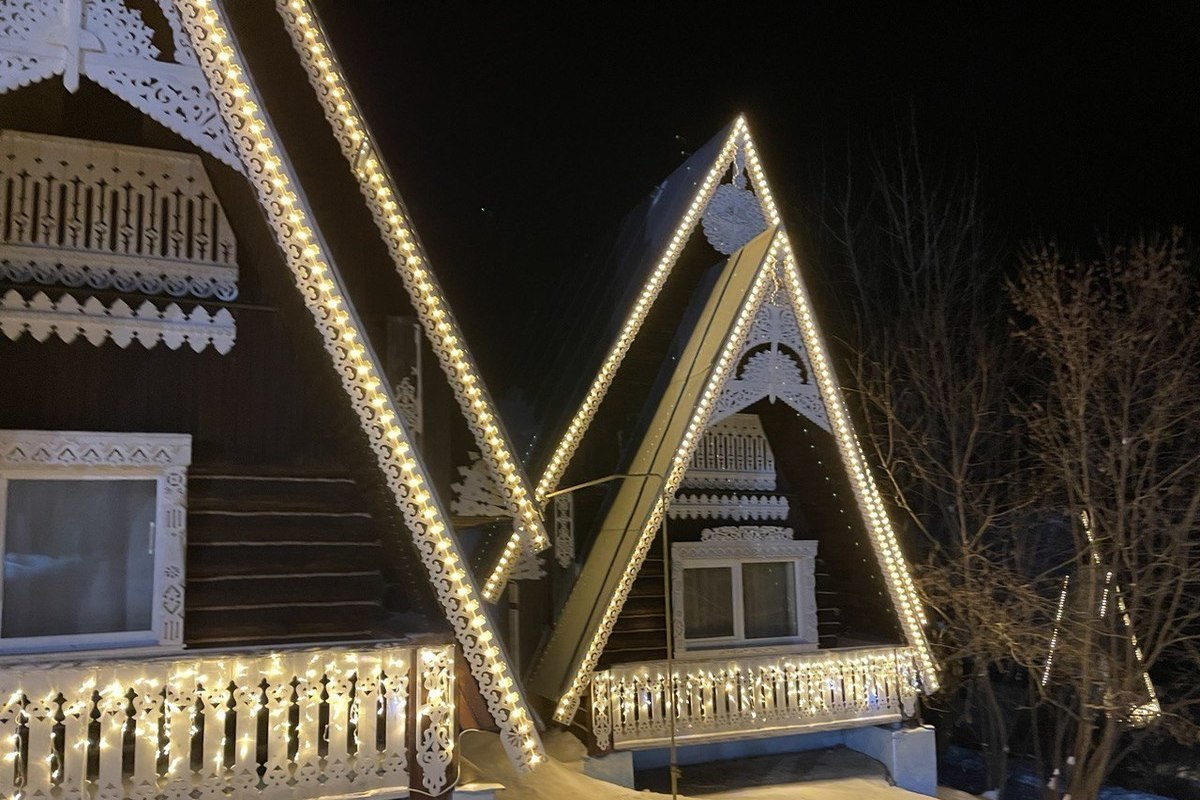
x=908, y=754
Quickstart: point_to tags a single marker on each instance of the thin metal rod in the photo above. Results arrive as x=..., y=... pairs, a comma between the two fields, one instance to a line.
x=605, y=479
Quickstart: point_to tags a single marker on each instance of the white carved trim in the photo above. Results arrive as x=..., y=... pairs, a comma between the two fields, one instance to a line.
x=733, y=453
x=55, y=454
x=435, y=718
x=783, y=371
x=67, y=319
x=729, y=506
x=752, y=695
x=747, y=532
x=564, y=529
x=529, y=566
x=109, y=42
x=728, y=552
x=97, y=215
x=734, y=215
x=477, y=494
x=360, y=372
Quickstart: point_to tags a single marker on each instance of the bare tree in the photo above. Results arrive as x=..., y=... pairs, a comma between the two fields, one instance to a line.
x=935, y=371
x=1115, y=431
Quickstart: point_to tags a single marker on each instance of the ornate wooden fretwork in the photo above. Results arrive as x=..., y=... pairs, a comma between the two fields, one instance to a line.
x=92, y=215
x=476, y=493
x=274, y=180
x=773, y=365
x=733, y=454
x=68, y=319
x=766, y=533
x=728, y=506
x=564, y=530
x=108, y=42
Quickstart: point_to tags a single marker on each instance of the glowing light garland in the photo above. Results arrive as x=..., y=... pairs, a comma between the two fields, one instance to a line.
x=362, y=692
x=895, y=570
x=287, y=211
x=379, y=189
x=739, y=136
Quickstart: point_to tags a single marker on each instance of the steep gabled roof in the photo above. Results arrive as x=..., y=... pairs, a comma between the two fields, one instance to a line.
x=319, y=281
x=701, y=381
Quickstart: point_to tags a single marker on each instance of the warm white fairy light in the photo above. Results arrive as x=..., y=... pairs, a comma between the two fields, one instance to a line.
x=387, y=208
x=273, y=178
x=739, y=136
x=1058, y=614
x=721, y=368
x=632, y=701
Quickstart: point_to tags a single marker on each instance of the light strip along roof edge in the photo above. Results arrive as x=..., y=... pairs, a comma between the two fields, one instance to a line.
x=360, y=148
x=894, y=567
x=319, y=283
x=739, y=135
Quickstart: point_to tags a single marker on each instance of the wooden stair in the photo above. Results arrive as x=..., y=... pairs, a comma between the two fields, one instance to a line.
x=280, y=559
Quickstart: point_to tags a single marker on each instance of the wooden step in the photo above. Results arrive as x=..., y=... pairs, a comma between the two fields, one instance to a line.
x=219, y=526
x=249, y=493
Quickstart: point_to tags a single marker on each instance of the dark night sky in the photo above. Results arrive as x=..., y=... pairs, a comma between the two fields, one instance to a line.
x=519, y=137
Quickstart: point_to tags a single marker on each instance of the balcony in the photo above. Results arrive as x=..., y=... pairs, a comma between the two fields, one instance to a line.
x=302, y=723
x=750, y=696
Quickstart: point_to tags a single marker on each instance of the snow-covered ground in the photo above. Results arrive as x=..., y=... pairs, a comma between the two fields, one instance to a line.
x=836, y=774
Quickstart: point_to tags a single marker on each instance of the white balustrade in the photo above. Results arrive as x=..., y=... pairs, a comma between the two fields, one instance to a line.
x=301, y=723
x=747, y=696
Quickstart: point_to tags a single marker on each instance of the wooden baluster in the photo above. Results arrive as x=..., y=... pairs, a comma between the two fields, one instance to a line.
x=79, y=688
x=147, y=716
x=12, y=699
x=280, y=673
x=247, y=699
x=394, y=764
x=366, y=718
x=308, y=731
x=180, y=710
x=114, y=711
x=39, y=715
x=340, y=672
x=214, y=693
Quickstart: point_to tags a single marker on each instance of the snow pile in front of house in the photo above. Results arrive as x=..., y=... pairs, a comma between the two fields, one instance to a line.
x=839, y=775
x=484, y=762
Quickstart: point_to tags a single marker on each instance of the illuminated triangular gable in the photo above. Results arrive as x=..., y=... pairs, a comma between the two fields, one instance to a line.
x=730, y=214
x=758, y=298
x=319, y=282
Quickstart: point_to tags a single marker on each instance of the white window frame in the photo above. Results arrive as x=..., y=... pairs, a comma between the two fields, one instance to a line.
x=79, y=455
x=734, y=554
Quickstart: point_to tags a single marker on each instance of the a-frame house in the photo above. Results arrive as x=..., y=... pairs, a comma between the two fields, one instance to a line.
x=737, y=576
x=228, y=567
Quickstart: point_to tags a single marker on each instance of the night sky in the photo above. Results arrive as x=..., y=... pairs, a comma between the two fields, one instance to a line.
x=519, y=138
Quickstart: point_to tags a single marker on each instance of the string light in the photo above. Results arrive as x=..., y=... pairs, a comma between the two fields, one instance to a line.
x=273, y=178
x=378, y=188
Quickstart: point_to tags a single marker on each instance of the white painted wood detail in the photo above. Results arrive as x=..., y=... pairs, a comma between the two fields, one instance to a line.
x=477, y=493
x=745, y=697
x=96, y=323
x=733, y=453
x=728, y=506
x=730, y=550
x=768, y=533
x=110, y=43
x=773, y=364
x=564, y=530
x=164, y=457
x=316, y=722
x=93, y=215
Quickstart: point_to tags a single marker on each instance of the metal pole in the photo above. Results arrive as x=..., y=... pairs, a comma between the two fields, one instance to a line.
x=670, y=693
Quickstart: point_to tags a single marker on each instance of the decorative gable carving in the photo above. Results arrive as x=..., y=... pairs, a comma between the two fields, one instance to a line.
x=110, y=43
x=773, y=365
x=478, y=493
x=733, y=453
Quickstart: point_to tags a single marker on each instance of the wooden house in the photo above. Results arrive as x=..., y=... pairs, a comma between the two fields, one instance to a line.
x=725, y=572
x=229, y=381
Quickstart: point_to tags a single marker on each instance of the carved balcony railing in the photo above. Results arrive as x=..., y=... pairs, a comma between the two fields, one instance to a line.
x=748, y=696
x=298, y=723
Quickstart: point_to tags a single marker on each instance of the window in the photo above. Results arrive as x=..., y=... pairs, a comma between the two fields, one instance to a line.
x=737, y=593
x=92, y=535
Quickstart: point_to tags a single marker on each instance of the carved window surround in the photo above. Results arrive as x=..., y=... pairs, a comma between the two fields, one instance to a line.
x=729, y=551
x=73, y=455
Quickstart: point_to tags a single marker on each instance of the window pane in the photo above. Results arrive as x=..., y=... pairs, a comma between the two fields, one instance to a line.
x=707, y=602
x=769, y=595
x=78, y=557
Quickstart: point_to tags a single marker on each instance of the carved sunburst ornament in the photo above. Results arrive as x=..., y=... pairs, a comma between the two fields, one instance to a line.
x=733, y=216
